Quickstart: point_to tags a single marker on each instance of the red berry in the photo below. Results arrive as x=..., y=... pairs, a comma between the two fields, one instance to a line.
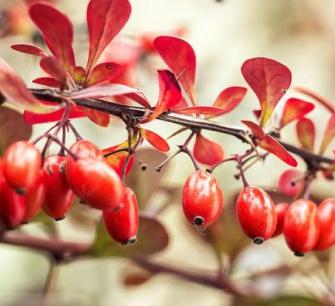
x=301, y=226
x=280, y=213
x=21, y=163
x=256, y=213
x=35, y=197
x=326, y=211
x=202, y=199
x=59, y=196
x=291, y=182
x=122, y=224
x=95, y=182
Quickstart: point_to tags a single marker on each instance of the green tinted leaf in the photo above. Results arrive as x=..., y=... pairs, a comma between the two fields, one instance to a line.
x=152, y=238
x=12, y=128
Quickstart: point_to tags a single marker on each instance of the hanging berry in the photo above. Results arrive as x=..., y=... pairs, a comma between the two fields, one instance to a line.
x=281, y=209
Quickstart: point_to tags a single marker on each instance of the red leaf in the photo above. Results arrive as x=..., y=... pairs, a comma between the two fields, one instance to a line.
x=306, y=133
x=271, y=145
x=56, y=30
x=155, y=140
x=181, y=59
x=139, y=98
x=169, y=94
x=230, y=98
x=199, y=110
x=291, y=182
x=99, y=118
x=207, y=151
x=104, y=72
x=79, y=74
x=295, y=109
x=256, y=130
x=105, y=19
x=52, y=67
x=47, y=81
x=329, y=134
x=28, y=49
x=269, y=80
x=15, y=91
x=33, y=118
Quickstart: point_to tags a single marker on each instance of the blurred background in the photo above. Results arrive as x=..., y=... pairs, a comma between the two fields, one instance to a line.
x=299, y=34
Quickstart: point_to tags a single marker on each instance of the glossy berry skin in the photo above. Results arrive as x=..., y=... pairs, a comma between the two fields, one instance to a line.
x=59, y=196
x=202, y=199
x=122, y=224
x=21, y=163
x=256, y=213
x=281, y=209
x=95, y=183
x=326, y=212
x=35, y=197
x=301, y=226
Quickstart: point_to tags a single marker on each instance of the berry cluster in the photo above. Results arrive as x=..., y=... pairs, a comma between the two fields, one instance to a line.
x=29, y=182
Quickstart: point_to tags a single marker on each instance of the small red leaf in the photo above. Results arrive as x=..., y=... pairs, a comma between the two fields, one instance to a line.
x=269, y=80
x=56, y=30
x=329, y=134
x=306, y=133
x=28, y=49
x=207, y=151
x=199, y=110
x=105, y=19
x=104, y=72
x=47, y=81
x=169, y=94
x=79, y=74
x=180, y=57
x=295, y=109
x=15, y=91
x=52, y=67
x=155, y=140
x=291, y=182
x=271, y=145
x=256, y=130
x=99, y=118
x=230, y=98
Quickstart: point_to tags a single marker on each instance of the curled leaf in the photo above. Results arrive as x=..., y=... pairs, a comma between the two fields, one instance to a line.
x=104, y=72
x=207, y=151
x=105, y=19
x=295, y=109
x=155, y=140
x=56, y=30
x=269, y=80
x=28, y=49
x=169, y=94
x=306, y=133
x=180, y=58
x=291, y=182
x=329, y=134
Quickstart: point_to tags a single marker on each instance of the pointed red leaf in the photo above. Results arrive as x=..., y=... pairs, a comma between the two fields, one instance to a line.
x=155, y=140
x=104, y=72
x=306, y=133
x=15, y=91
x=33, y=118
x=169, y=94
x=105, y=19
x=51, y=66
x=199, y=110
x=295, y=109
x=180, y=57
x=207, y=151
x=291, y=182
x=47, y=81
x=269, y=80
x=271, y=145
x=56, y=30
x=230, y=98
x=99, y=118
x=28, y=49
x=256, y=130
x=328, y=134
x=139, y=98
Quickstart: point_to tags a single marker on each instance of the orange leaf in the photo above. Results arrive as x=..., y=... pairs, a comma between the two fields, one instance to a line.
x=295, y=109
x=199, y=110
x=207, y=151
x=269, y=80
x=306, y=133
x=99, y=118
x=329, y=134
x=180, y=57
x=155, y=140
x=104, y=72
